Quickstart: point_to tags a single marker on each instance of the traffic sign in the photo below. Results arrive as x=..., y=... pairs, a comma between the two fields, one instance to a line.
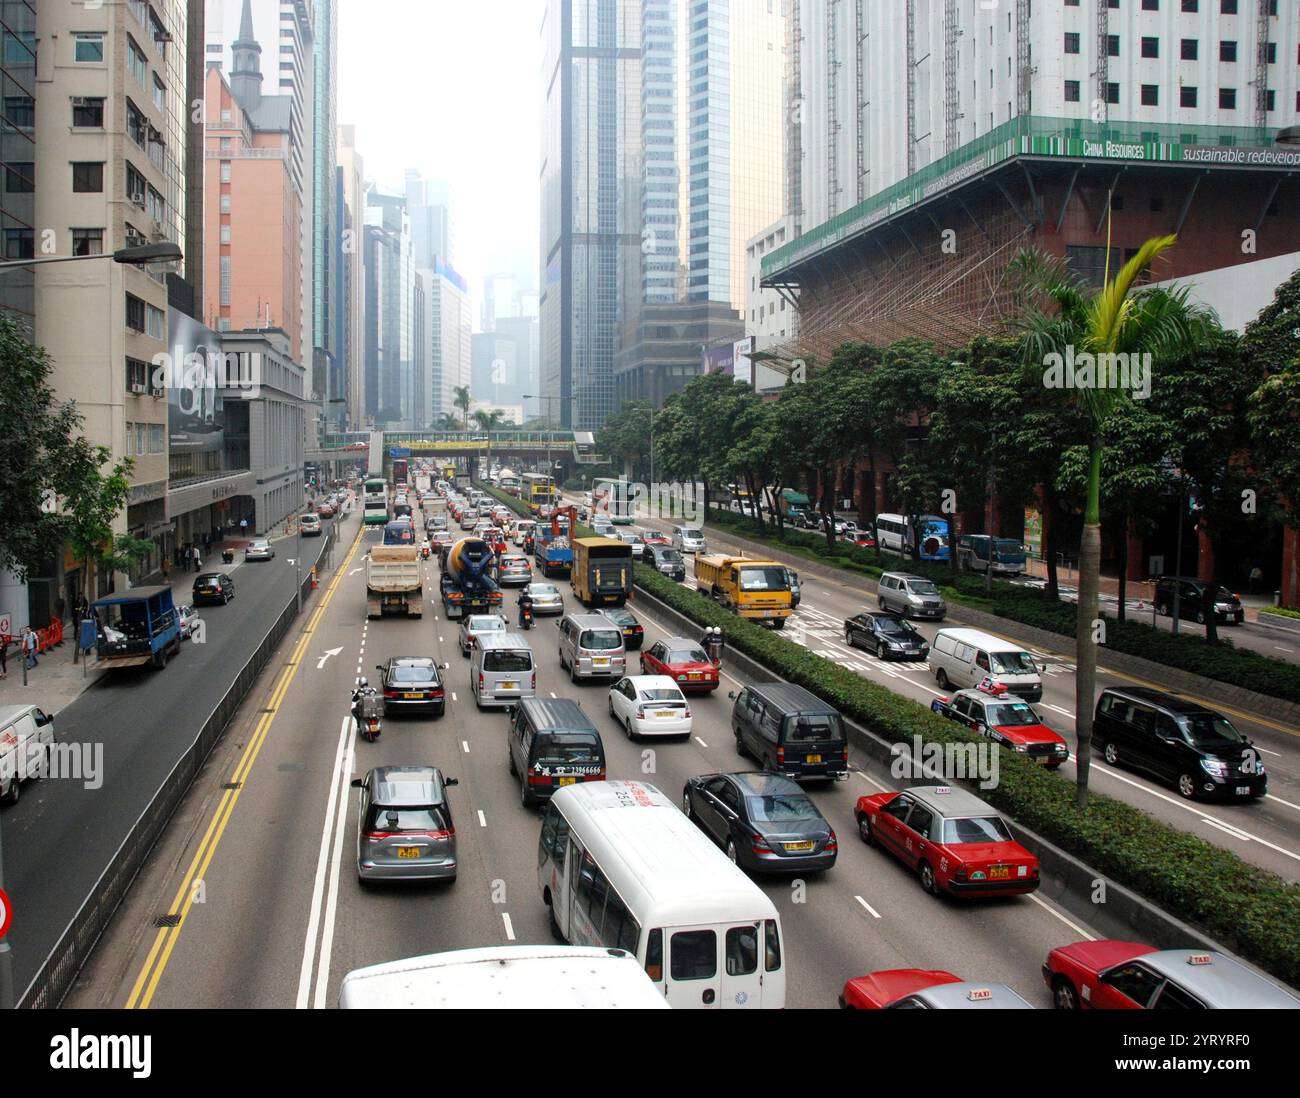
x=399, y=452
x=6, y=913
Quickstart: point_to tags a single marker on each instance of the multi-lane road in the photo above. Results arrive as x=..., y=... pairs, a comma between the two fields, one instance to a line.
x=260, y=862
x=1265, y=832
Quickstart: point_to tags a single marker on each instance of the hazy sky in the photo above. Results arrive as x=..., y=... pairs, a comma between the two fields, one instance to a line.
x=452, y=88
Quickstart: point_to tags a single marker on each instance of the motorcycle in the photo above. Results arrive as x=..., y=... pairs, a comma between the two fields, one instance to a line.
x=424, y=550
x=526, y=617
x=367, y=708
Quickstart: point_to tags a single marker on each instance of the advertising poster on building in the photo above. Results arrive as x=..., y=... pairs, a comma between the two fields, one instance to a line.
x=742, y=368
x=195, y=420
x=719, y=360
x=1034, y=532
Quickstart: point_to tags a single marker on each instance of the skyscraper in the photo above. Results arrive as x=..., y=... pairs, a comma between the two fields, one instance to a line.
x=351, y=280
x=591, y=208
x=429, y=204
x=325, y=228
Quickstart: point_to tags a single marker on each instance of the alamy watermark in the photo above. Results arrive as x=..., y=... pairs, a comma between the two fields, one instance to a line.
x=968, y=762
x=1108, y=370
x=204, y=372
x=680, y=500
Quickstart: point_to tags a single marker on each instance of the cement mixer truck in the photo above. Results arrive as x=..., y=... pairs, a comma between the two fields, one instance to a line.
x=468, y=582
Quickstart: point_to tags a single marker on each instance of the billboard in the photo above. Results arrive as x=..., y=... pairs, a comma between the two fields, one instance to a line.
x=742, y=368
x=719, y=359
x=195, y=415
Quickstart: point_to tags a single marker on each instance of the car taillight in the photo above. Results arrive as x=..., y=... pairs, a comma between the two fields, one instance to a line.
x=640, y=712
x=845, y=754
x=688, y=714
x=436, y=692
x=390, y=693
x=534, y=684
x=760, y=846
x=832, y=844
x=539, y=779
x=780, y=755
x=480, y=680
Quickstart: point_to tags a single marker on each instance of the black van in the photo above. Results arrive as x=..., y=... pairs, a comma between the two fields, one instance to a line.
x=552, y=743
x=790, y=731
x=1196, y=750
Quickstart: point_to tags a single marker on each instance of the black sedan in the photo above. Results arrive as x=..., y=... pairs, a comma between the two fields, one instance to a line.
x=887, y=635
x=411, y=682
x=633, y=634
x=213, y=587
x=764, y=821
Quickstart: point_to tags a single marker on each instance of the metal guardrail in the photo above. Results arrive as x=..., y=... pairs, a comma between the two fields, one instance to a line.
x=54, y=979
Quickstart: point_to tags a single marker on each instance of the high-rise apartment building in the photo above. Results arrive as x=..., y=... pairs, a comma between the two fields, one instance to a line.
x=389, y=274
x=448, y=329
x=18, y=154
x=591, y=209
x=351, y=283
x=326, y=355
x=429, y=203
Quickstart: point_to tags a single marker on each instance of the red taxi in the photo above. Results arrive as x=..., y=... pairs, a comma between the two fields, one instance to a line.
x=1007, y=720
x=880, y=989
x=654, y=537
x=682, y=660
x=954, y=841
x=917, y=989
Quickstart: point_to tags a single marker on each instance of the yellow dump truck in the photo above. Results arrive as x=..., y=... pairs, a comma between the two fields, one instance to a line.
x=755, y=589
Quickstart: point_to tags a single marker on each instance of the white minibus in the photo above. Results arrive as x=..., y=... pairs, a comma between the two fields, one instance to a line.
x=621, y=866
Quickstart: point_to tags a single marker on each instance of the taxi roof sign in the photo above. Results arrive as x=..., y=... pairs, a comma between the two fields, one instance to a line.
x=979, y=994
x=1199, y=959
x=942, y=789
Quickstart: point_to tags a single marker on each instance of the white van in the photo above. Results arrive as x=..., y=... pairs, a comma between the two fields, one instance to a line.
x=26, y=739
x=501, y=670
x=891, y=532
x=620, y=866
x=963, y=658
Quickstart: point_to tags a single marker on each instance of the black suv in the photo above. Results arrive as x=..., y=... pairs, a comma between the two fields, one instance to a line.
x=888, y=635
x=1194, y=749
x=1191, y=600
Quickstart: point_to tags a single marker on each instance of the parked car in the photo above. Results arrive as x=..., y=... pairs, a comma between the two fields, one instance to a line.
x=1195, y=749
x=633, y=633
x=764, y=821
x=1191, y=600
x=547, y=599
x=474, y=624
x=212, y=587
x=261, y=549
x=1006, y=720
x=888, y=636
x=411, y=682
x=405, y=829
x=649, y=705
x=1132, y=976
x=683, y=661
x=952, y=840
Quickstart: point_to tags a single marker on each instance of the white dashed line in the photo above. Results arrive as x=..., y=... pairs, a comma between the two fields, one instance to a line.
x=700, y=742
x=874, y=912
x=1058, y=709
x=482, y=819
x=869, y=779
x=1073, y=926
x=1227, y=829
x=465, y=746
x=453, y=695
x=552, y=693
x=510, y=930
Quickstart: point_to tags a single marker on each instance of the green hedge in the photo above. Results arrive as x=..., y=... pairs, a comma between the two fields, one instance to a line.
x=1223, y=662
x=1281, y=611
x=1249, y=909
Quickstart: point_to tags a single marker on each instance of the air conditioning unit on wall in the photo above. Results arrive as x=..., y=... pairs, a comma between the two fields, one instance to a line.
x=137, y=387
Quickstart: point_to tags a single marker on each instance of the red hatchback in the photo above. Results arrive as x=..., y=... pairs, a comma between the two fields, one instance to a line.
x=682, y=660
x=954, y=841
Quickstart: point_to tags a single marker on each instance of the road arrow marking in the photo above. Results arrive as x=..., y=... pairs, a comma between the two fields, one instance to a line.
x=328, y=652
x=354, y=571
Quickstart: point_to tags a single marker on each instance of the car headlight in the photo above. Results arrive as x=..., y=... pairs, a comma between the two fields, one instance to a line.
x=1021, y=748
x=1215, y=768
x=1061, y=749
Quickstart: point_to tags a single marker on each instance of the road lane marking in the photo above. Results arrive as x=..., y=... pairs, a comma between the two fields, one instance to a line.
x=482, y=819
x=146, y=984
x=453, y=695
x=1227, y=829
x=1072, y=925
x=510, y=930
x=864, y=903
x=869, y=779
x=335, y=871
x=465, y=745
x=1058, y=709
x=700, y=742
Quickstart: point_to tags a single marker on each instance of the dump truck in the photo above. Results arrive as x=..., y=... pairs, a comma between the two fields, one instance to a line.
x=468, y=581
x=394, y=582
x=754, y=589
x=602, y=571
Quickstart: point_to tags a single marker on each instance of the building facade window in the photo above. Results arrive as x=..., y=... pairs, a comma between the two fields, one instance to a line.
x=20, y=244
x=225, y=280
x=1228, y=52
x=1186, y=96
x=87, y=241
x=88, y=48
x=225, y=234
x=1227, y=99
x=88, y=177
x=225, y=171
x=155, y=322
x=136, y=62
x=1150, y=47
x=134, y=313
x=1072, y=91
x=159, y=93
x=137, y=126
x=137, y=374
x=225, y=203
x=1150, y=95
x=1190, y=49
x=20, y=177
x=88, y=112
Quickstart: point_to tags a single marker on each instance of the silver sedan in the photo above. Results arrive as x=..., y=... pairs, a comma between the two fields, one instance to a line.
x=261, y=549
x=546, y=599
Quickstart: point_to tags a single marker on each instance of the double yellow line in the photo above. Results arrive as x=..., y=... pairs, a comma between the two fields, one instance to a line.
x=151, y=972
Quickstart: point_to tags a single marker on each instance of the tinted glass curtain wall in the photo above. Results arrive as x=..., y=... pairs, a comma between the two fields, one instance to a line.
x=18, y=152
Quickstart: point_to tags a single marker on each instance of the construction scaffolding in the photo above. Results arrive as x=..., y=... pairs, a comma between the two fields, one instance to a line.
x=832, y=109
x=911, y=86
x=1101, y=101
x=794, y=116
x=860, y=118
x=1024, y=59
x=950, y=99
x=1261, y=63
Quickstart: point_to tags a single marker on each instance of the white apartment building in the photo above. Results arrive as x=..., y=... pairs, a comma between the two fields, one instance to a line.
x=888, y=87
x=448, y=326
x=352, y=280
x=768, y=316
x=111, y=100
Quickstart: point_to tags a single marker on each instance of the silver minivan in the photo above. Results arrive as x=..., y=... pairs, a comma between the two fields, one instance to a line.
x=689, y=539
x=502, y=670
x=591, y=646
x=911, y=596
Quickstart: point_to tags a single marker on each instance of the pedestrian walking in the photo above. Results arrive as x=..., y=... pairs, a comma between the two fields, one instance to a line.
x=30, y=645
x=166, y=571
x=1256, y=579
x=197, y=556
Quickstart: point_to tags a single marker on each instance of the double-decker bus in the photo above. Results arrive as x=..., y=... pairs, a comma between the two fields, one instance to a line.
x=375, y=502
x=400, y=469
x=615, y=499
x=508, y=482
x=537, y=490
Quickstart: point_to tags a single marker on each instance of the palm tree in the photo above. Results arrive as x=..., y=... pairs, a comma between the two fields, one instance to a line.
x=1117, y=319
x=490, y=421
x=463, y=401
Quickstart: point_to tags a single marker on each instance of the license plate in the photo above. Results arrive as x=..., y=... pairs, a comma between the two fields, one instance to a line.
x=408, y=851
x=694, y=676
x=665, y=713
x=767, y=613
x=798, y=846
x=999, y=872
x=567, y=781
x=813, y=758
x=416, y=696
x=1243, y=791
x=627, y=632
x=600, y=663
x=508, y=686
x=1042, y=760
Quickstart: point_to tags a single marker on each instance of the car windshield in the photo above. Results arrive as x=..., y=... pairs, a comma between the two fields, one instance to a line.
x=1210, y=730
x=669, y=556
x=787, y=807
x=544, y=589
x=407, y=818
x=567, y=747
x=620, y=617
x=261, y=545
x=895, y=627
x=661, y=694
x=210, y=577
x=975, y=829
x=1225, y=595
x=413, y=672
x=1013, y=663
x=691, y=532
x=814, y=726
x=602, y=640
x=763, y=579
x=507, y=661
x=1007, y=714
x=686, y=655
x=922, y=587
x=309, y=519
